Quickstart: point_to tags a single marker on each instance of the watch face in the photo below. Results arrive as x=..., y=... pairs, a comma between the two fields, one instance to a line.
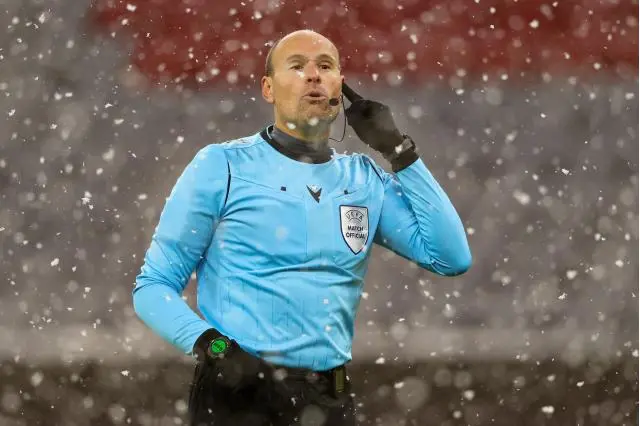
x=219, y=345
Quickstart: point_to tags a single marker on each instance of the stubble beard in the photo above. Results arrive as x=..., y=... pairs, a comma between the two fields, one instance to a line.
x=310, y=121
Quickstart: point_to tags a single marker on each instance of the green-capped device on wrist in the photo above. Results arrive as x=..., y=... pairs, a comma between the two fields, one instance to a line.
x=213, y=345
x=219, y=346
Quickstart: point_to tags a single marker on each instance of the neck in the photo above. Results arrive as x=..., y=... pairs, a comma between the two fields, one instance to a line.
x=305, y=132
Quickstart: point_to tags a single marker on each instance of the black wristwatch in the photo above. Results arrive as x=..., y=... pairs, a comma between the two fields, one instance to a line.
x=404, y=154
x=406, y=144
x=219, y=347
x=213, y=345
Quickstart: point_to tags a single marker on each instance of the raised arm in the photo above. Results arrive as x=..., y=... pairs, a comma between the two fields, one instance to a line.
x=418, y=220
x=420, y=223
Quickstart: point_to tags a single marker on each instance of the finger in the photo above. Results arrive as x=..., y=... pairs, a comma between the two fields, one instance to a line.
x=350, y=93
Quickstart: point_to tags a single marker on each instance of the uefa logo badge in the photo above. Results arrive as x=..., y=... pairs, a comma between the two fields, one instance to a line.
x=354, y=224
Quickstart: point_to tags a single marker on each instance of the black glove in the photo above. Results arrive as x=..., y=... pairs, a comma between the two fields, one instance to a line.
x=373, y=123
x=229, y=363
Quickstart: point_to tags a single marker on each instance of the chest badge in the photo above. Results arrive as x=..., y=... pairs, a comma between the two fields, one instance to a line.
x=354, y=224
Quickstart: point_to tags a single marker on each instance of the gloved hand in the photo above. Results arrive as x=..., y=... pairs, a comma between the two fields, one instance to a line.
x=230, y=365
x=373, y=123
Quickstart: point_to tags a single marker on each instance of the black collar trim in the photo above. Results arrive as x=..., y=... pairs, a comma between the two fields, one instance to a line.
x=295, y=148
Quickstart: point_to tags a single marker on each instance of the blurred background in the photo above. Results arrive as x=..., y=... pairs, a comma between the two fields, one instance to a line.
x=525, y=110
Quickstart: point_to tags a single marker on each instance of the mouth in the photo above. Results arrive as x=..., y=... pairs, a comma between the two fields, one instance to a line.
x=315, y=95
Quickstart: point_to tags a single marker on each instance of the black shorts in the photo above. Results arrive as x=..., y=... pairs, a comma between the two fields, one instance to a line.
x=276, y=396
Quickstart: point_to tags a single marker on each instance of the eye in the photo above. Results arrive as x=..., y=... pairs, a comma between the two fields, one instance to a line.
x=326, y=66
x=296, y=67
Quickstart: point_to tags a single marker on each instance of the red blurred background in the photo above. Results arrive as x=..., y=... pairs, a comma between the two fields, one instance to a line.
x=412, y=40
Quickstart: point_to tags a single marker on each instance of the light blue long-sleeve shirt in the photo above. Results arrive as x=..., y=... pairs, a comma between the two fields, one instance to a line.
x=281, y=248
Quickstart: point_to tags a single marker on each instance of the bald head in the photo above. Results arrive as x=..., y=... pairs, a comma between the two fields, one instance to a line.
x=319, y=38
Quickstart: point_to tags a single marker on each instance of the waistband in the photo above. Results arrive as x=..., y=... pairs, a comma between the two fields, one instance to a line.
x=296, y=372
x=334, y=380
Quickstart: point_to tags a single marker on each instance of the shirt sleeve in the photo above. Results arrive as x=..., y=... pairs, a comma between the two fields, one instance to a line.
x=419, y=222
x=180, y=240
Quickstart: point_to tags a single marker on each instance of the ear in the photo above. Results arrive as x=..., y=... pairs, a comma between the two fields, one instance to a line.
x=267, y=89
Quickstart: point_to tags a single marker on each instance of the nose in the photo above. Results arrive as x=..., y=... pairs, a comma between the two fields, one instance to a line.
x=311, y=72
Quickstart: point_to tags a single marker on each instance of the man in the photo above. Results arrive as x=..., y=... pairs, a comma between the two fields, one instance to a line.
x=279, y=229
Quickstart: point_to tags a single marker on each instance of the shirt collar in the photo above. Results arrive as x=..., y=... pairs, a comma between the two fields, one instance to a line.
x=297, y=149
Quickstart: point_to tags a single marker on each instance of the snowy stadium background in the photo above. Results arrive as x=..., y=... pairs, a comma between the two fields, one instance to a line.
x=526, y=111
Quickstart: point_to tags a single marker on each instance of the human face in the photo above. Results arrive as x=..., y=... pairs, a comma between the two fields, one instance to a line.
x=306, y=74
